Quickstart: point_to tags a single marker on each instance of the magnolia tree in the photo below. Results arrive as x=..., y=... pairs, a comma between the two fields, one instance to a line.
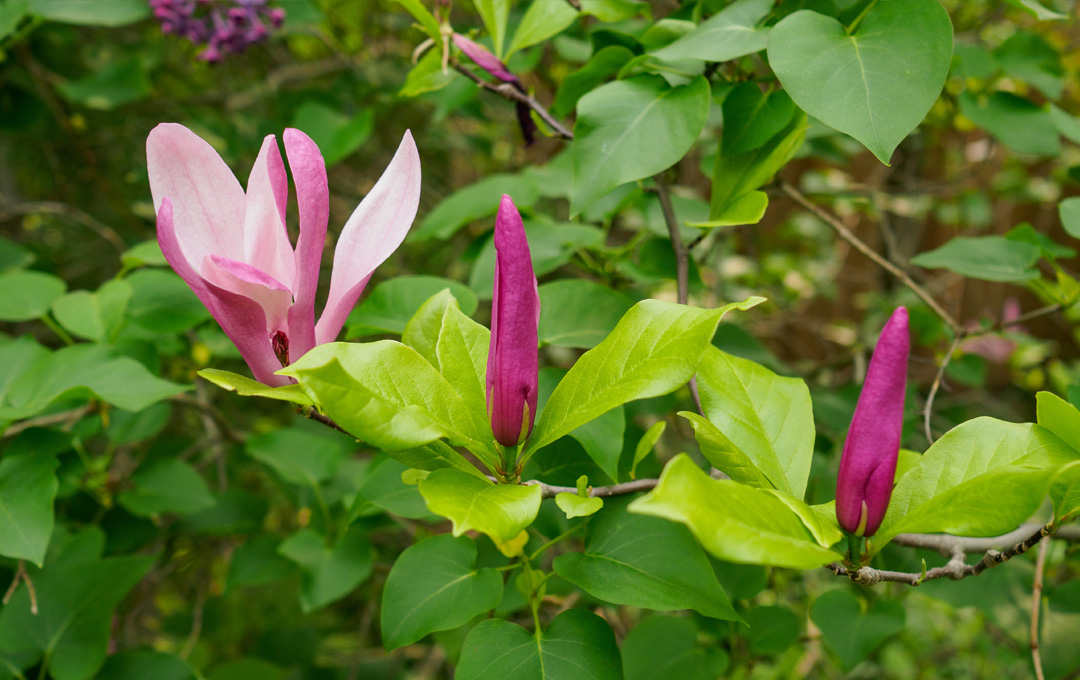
x=606, y=475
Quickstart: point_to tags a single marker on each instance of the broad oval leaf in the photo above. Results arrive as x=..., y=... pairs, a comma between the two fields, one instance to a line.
x=981, y=478
x=27, y=295
x=577, y=644
x=631, y=129
x=653, y=350
x=875, y=84
x=579, y=313
x=388, y=308
x=387, y=394
x=733, y=521
x=502, y=511
x=767, y=420
x=627, y=560
x=328, y=572
x=850, y=632
x=435, y=585
x=990, y=258
x=28, y=487
x=728, y=34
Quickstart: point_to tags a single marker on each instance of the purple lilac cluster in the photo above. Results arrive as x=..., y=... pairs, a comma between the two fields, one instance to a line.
x=223, y=26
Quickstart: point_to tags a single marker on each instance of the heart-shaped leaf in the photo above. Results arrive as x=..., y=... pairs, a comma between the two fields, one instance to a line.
x=851, y=633
x=577, y=644
x=876, y=83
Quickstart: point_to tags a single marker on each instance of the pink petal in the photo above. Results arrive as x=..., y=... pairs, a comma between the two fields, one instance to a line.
x=243, y=279
x=208, y=202
x=374, y=231
x=266, y=240
x=240, y=317
x=484, y=59
x=313, y=194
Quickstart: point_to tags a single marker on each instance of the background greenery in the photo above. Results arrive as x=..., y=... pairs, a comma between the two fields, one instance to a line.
x=189, y=522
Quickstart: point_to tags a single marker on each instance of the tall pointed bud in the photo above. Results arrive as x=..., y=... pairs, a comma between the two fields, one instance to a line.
x=513, y=364
x=484, y=59
x=868, y=463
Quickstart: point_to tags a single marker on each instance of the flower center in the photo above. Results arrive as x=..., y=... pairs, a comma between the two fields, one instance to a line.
x=280, y=341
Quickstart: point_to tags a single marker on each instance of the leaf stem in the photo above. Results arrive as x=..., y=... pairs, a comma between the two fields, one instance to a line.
x=854, y=26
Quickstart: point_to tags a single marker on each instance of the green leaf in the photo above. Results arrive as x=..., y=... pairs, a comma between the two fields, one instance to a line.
x=541, y=21
x=579, y=313
x=427, y=75
x=1019, y=123
x=646, y=443
x=653, y=350
x=384, y=491
x=725, y=455
x=875, y=84
x=329, y=573
x=772, y=630
x=258, y=562
x=85, y=371
x=13, y=255
x=1062, y=419
x=632, y=129
x=246, y=387
x=982, y=478
x=733, y=521
x=726, y=35
x=753, y=117
x=91, y=12
x=1028, y=57
x=336, y=134
x=462, y=354
x=501, y=511
x=666, y=647
x=476, y=201
x=248, y=669
x=627, y=560
x=168, y=486
x=425, y=18
x=163, y=302
x=736, y=178
x=147, y=253
x=386, y=394
x=11, y=13
x=990, y=258
x=435, y=585
x=851, y=633
x=1068, y=125
x=143, y=664
x=27, y=489
x=574, y=505
x=495, y=14
x=388, y=308
x=94, y=316
x=576, y=644
x=1036, y=9
x=75, y=609
x=604, y=64
x=302, y=455
x=1069, y=212
x=114, y=84
x=767, y=422
x=27, y=295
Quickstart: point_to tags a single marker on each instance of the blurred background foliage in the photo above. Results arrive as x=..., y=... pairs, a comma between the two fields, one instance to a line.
x=187, y=539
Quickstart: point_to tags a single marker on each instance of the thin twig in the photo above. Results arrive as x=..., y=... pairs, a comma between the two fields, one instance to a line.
x=313, y=414
x=869, y=252
x=196, y=624
x=956, y=568
x=508, y=91
x=576, y=4
x=1036, y=605
x=21, y=576
x=936, y=385
x=72, y=416
x=1003, y=325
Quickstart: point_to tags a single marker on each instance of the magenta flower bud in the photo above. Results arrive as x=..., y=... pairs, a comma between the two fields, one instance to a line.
x=484, y=59
x=513, y=364
x=868, y=463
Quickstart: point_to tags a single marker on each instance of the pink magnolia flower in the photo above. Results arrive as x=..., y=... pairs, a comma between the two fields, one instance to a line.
x=868, y=463
x=484, y=59
x=513, y=363
x=233, y=249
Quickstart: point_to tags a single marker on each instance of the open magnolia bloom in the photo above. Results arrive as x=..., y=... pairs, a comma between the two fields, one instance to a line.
x=233, y=249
